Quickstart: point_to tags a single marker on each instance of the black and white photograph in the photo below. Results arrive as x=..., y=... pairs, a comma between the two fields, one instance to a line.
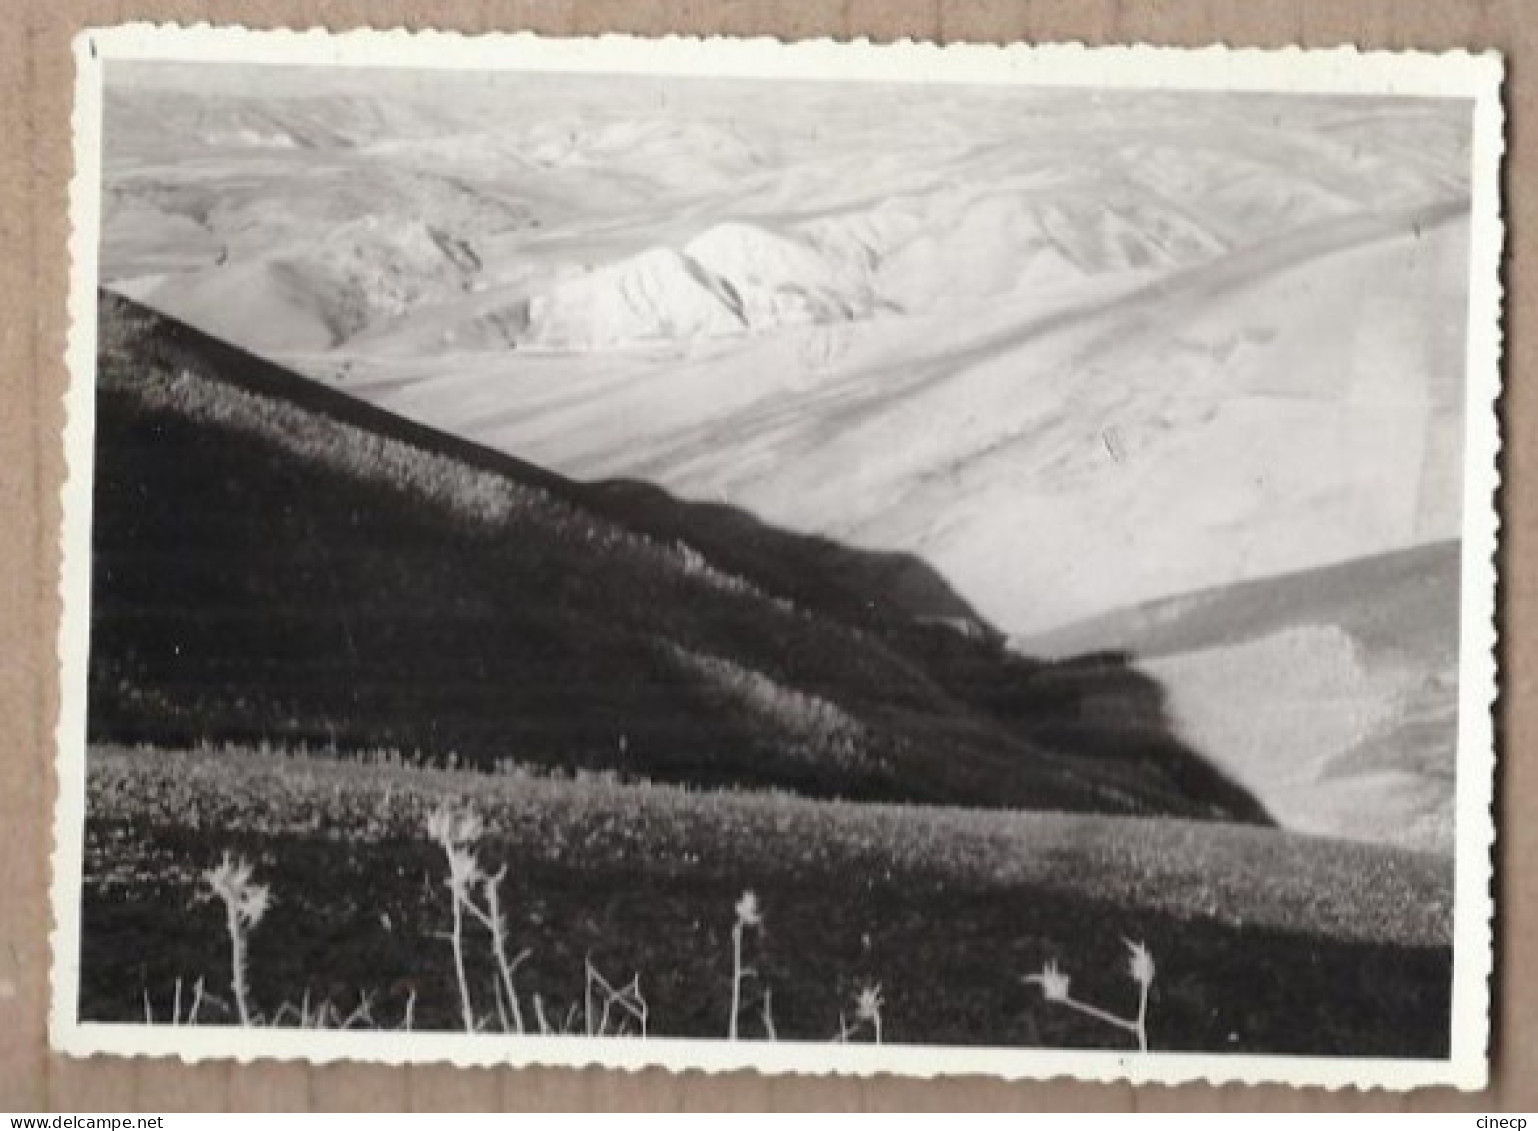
x=811, y=557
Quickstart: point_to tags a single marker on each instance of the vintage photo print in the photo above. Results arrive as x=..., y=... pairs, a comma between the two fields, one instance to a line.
x=812, y=557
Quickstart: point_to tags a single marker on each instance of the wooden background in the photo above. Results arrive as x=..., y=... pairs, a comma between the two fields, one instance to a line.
x=35, y=96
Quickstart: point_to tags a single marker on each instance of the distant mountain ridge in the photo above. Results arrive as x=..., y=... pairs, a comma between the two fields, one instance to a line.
x=1073, y=353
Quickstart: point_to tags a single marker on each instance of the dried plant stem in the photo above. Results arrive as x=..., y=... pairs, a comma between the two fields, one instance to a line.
x=364, y=1013
x=587, y=997
x=245, y=903
x=494, y=922
x=642, y=1010
x=731, y=1028
x=1140, y=967
x=506, y=969
x=467, y=1010
x=237, y=962
x=628, y=998
x=1100, y=1014
x=496, y=993
x=454, y=833
x=197, y=1002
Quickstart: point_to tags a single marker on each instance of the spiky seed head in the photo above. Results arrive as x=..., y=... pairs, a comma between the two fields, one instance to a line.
x=868, y=1003
x=231, y=882
x=1140, y=963
x=440, y=824
x=231, y=874
x=453, y=828
x=1053, y=982
x=749, y=913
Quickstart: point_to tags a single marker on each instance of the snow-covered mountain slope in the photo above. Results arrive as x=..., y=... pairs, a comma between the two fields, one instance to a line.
x=1331, y=694
x=1266, y=412
x=1075, y=351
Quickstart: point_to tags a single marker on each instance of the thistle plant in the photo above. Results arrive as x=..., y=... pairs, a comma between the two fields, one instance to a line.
x=1140, y=967
x=748, y=914
x=245, y=902
x=456, y=833
x=867, y=1015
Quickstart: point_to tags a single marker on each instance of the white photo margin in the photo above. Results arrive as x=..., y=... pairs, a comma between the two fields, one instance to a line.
x=1457, y=75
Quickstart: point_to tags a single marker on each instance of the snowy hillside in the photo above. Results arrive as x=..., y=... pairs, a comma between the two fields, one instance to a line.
x=1010, y=331
x=1076, y=353
x=1331, y=694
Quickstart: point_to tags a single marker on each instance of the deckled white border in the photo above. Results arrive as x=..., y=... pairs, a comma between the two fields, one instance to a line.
x=1340, y=71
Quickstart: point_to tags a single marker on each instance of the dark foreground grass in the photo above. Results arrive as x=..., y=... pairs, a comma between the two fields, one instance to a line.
x=1265, y=942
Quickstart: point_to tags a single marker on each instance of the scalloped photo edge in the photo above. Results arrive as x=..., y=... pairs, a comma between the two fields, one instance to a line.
x=1473, y=77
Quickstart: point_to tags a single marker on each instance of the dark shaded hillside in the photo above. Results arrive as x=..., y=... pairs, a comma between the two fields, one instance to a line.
x=276, y=562
x=882, y=592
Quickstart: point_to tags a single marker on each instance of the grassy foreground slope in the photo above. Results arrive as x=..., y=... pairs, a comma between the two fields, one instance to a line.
x=276, y=562
x=1265, y=941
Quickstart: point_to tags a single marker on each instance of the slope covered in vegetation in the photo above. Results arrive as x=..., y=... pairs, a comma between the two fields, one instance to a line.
x=1265, y=941
x=278, y=563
